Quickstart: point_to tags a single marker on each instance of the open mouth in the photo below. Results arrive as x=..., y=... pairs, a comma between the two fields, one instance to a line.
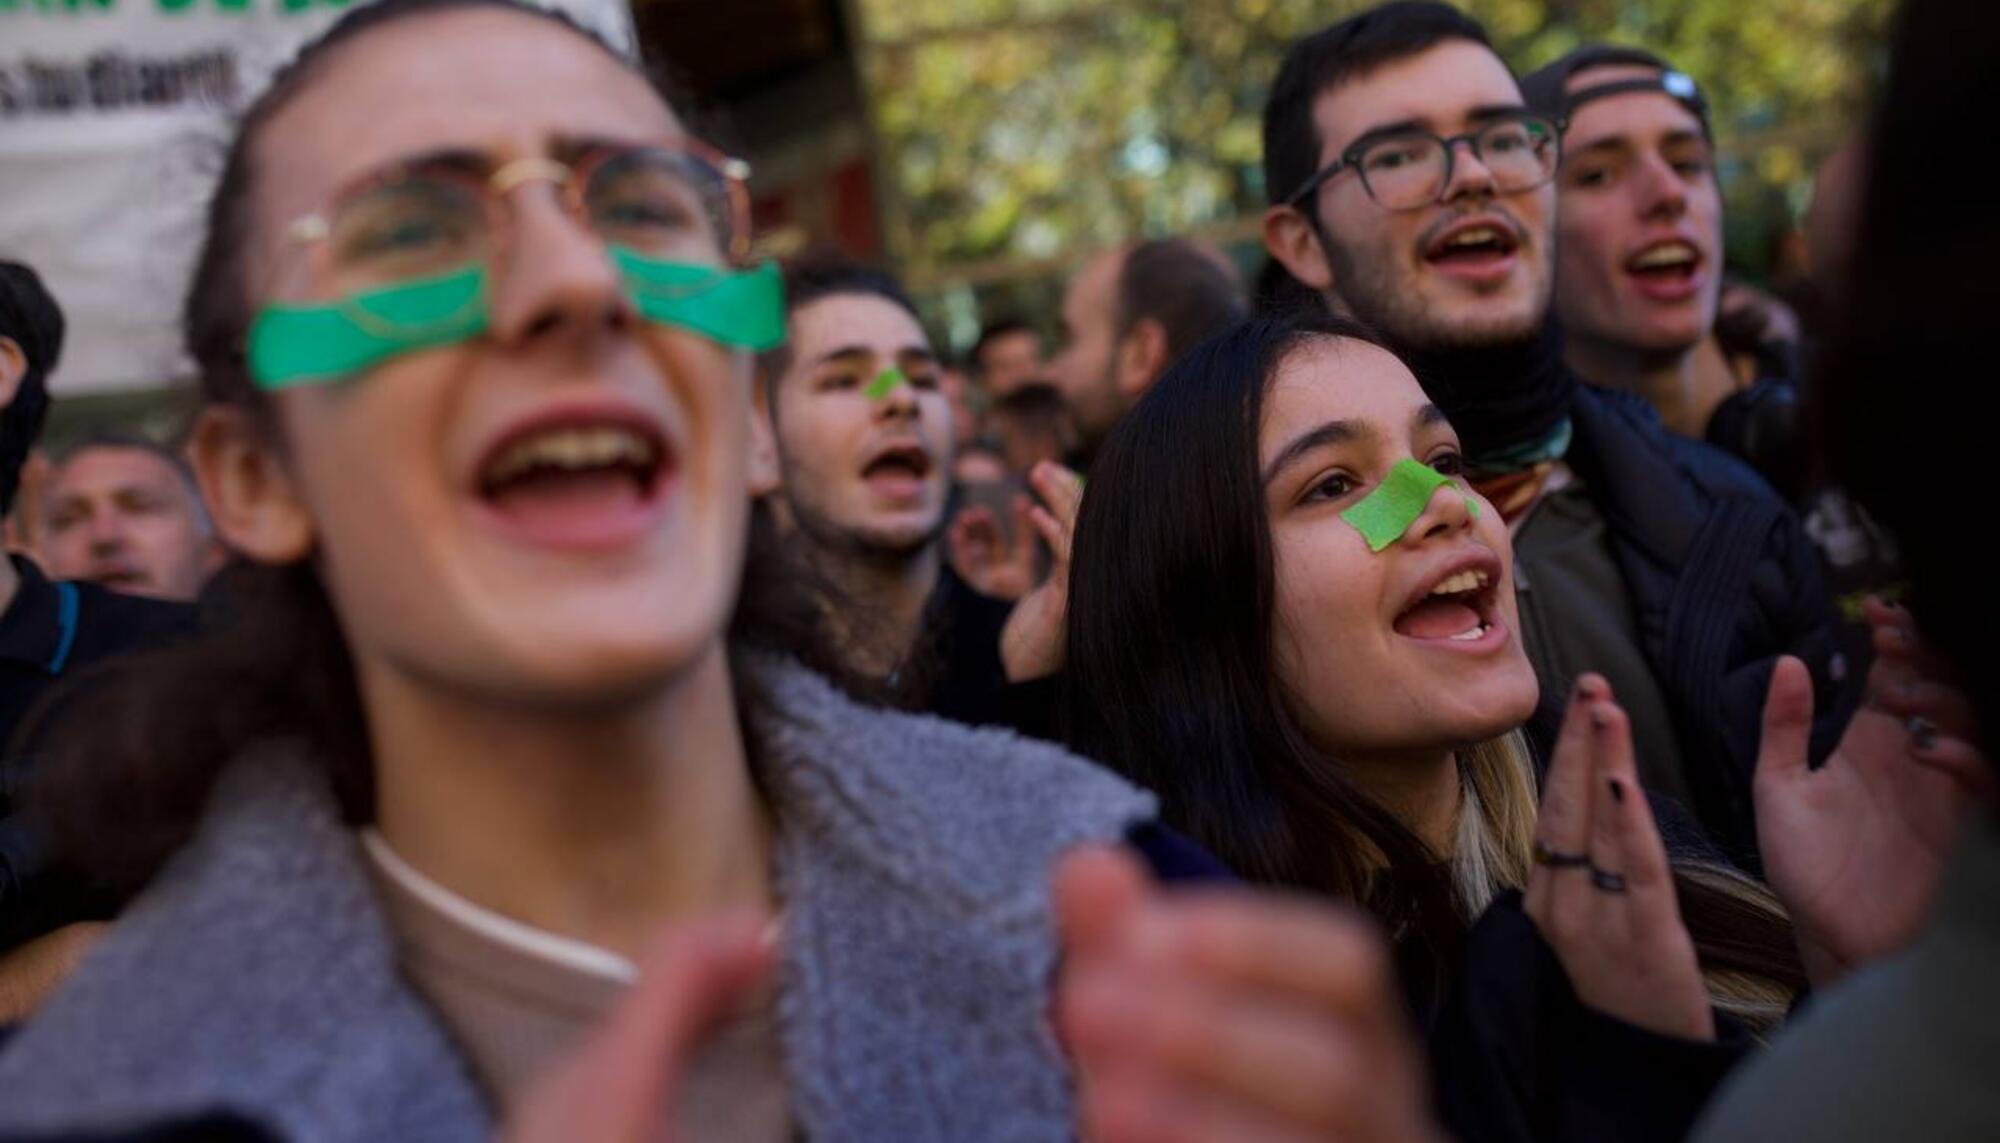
x=1476, y=246
x=1461, y=608
x=1665, y=263
x=553, y=472
x=119, y=579
x=898, y=463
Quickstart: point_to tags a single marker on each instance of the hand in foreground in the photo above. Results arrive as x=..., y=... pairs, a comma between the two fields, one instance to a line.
x=620, y=1084
x=1856, y=849
x=1601, y=893
x=1228, y=1015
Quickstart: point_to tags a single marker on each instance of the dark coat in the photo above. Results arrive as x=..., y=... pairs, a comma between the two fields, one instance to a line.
x=1722, y=580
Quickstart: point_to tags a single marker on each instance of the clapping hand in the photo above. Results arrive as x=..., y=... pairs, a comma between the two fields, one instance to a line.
x=1601, y=893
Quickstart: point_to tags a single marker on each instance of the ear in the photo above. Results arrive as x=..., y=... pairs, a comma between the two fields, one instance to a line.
x=13, y=367
x=1142, y=357
x=253, y=500
x=765, y=476
x=1289, y=237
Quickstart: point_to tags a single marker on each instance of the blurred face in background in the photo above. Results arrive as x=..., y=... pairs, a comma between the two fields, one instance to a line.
x=1009, y=361
x=127, y=518
x=862, y=471
x=1638, y=220
x=1085, y=369
x=965, y=418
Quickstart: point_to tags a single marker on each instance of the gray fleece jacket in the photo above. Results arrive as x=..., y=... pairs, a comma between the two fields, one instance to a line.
x=258, y=975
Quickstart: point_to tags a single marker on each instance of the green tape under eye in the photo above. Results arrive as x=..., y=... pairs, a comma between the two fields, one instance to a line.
x=1386, y=513
x=741, y=308
x=308, y=344
x=885, y=383
x=312, y=344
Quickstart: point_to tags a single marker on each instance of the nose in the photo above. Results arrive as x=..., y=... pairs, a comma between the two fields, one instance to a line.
x=1470, y=177
x=106, y=534
x=1662, y=191
x=1448, y=510
x=556, y=281
x=899, y=402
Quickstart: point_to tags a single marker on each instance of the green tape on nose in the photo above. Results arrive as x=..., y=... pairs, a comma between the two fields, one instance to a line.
x=885, y=383
x=1386, y=513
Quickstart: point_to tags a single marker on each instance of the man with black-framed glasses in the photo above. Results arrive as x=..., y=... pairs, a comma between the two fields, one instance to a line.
x=1412, y=188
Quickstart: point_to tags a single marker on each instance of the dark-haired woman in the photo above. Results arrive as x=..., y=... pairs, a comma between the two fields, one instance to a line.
x=475, y=336
x=1291, y=619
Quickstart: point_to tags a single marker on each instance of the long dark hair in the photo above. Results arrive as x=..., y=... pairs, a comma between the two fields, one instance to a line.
x=1169, y=646
x=1169, y=681
x=132, y=767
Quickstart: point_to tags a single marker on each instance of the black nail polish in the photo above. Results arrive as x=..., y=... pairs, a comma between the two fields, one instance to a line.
x=1617, y=790
x=1923, y=732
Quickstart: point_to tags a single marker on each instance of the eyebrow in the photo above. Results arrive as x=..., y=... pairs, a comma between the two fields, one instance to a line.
x=1338, y=433
x=1484, y=113
x=1330, y=433
x=567, y=149
x=1614, y=143
x=853, y=353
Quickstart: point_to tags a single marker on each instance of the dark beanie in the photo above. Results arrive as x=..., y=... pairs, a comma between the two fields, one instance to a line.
x=1547, y=90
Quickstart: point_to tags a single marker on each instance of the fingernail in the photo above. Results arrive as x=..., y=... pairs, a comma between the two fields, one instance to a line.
x=1923, y=732
x=1598, y=719
x=772, y=934
x=1617, y=790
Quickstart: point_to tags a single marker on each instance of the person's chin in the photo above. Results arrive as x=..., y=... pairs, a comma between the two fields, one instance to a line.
x=1463, y=318
x=901, y=534
x=1666, y=333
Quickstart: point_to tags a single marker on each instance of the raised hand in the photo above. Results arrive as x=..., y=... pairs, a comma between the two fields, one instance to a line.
x=1228, y=1015
x=619, y=1086
x=1856, y=848
x=1914, y=684
x=1031, y=645
x=1601, y=893
x=983, y=558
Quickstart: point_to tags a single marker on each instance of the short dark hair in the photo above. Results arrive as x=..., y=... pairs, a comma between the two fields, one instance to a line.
x=821, y=275
x=1189, y=291
x=30, y=318
x=1332, y=56
x=1036, y=399
x=109, y=438
x=993, y=331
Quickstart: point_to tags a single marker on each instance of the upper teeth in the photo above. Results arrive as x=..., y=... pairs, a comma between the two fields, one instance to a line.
x=572, y=449
x=1470, y=580
x=1671, y=254
x=1478, y=235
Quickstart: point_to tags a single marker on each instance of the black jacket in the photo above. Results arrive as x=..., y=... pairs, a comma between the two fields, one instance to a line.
x=1722, y=580
x=51, y=631
x=1518, y=1058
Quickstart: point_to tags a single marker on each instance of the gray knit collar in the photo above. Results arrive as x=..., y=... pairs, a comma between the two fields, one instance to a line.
x=258, y=975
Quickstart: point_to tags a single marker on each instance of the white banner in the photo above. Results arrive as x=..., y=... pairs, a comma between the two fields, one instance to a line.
x=113, y=119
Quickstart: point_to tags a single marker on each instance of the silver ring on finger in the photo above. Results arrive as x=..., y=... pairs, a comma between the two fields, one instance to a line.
x=1606, y=881
x=1543, y=855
